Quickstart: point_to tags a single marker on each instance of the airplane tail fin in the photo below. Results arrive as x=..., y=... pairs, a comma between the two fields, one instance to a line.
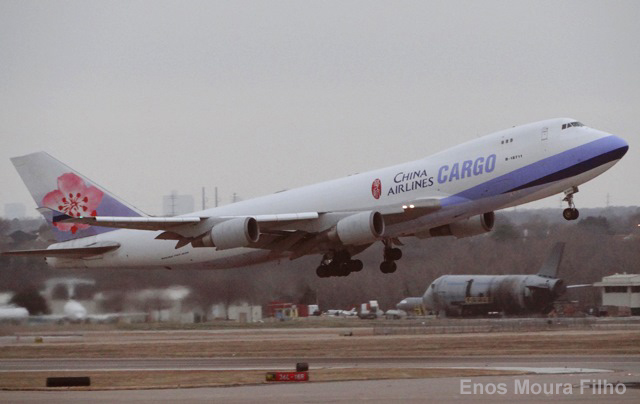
x=550, y=267
x=57, y=188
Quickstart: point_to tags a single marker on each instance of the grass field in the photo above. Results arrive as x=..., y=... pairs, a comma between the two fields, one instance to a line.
x=198, y=378
x=318, y=344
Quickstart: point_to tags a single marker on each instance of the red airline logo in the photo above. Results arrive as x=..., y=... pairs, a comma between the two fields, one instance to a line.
x=376, y=188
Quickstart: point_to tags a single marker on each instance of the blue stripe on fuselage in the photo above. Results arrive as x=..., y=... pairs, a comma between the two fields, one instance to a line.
x=554, y=168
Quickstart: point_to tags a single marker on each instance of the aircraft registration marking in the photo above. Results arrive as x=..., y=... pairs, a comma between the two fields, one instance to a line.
x=174, y=255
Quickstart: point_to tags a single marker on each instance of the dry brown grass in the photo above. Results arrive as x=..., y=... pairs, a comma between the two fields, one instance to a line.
x=328, y=345
x=106, y=380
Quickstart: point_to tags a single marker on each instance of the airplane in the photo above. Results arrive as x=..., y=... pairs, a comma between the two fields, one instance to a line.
x=342, y=313
x=13, y=314
x=72, y=312
x=411, y=305
x=75, y=312
x=451, y=193
x=460, y=295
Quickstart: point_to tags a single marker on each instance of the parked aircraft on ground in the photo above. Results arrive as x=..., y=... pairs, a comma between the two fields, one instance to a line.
x=13, y=314
x=456, y=295
x=73, y=310
x=453, y=192
x=342, y=313
x=411, y=305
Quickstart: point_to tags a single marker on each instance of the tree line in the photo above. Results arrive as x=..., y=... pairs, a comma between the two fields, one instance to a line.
x=601, y=243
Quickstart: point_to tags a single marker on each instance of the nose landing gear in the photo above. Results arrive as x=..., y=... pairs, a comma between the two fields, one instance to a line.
x=570, y=213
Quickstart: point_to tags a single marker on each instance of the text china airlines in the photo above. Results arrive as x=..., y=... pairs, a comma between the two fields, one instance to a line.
x=413, y=180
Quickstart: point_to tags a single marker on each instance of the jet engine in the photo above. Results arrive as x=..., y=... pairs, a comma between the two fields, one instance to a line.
x=554, y=286
x=357, y=229
x=540, y=293
x=234, y=233
x=472, y=226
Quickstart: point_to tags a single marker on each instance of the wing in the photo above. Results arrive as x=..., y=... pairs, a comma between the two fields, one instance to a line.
x=178, y=224
x=298, y=233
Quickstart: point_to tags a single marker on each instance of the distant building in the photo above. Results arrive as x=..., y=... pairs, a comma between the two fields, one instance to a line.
x=621, y=290
x=14, y=211
x=166, y=304
x=242, y=313
x=175, y=204
x=288, y=311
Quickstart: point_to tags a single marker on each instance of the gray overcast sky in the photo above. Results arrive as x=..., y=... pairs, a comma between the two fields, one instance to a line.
x=146, y=97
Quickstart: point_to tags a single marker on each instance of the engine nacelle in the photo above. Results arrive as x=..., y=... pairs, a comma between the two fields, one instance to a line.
x=472, y=226
x=360, y=228
x=234, y=233
x=555, y=286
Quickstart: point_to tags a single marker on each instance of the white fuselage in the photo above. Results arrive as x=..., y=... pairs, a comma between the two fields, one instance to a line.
x=485, y=174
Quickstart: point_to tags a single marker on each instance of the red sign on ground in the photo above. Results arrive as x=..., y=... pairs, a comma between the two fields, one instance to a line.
x=287, y=376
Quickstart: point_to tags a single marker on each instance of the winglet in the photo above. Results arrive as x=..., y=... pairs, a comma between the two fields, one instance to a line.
x=550, y=267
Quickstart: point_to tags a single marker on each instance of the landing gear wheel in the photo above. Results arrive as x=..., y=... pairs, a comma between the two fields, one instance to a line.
x=356, y=266
x=344, y=269
x=338, y=263
x=392, y=254
x=570, y=213
x=388, y=267
x=322, y=271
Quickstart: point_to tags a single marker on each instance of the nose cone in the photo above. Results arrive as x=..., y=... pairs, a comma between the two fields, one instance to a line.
x=619, y=147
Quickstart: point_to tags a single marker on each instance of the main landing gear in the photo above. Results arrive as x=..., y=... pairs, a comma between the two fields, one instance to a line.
x=338, y=263
x=571, y=213
x=391, y=255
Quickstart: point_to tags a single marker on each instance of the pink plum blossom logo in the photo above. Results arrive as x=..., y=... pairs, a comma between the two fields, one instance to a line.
x=376, y=188
x=74, y=198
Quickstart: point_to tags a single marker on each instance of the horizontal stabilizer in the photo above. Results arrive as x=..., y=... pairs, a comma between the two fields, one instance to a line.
x=550, y=267
x=584, y=285
x=75, y=252
x=139, y=223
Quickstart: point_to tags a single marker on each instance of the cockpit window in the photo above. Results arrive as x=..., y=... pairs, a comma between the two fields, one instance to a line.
x=570, y=124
